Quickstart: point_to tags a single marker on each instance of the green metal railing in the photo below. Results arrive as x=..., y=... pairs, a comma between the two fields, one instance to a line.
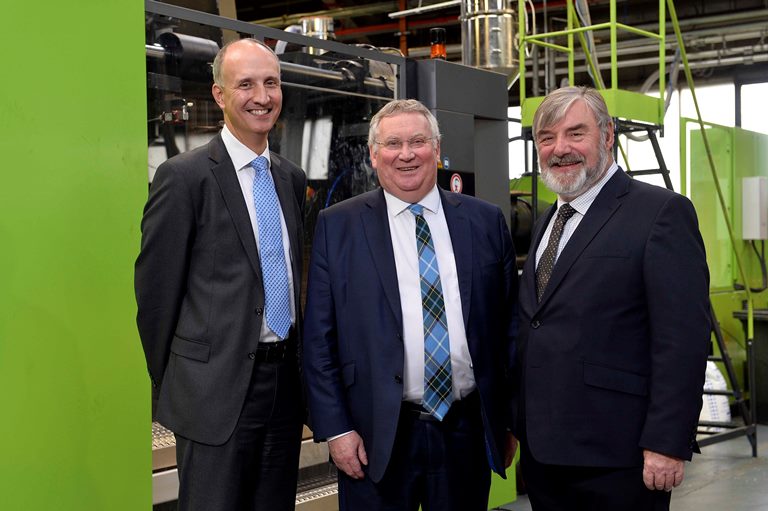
x=621, y=103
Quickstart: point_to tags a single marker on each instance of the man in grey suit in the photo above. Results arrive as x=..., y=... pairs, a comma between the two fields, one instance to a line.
x=217, y=285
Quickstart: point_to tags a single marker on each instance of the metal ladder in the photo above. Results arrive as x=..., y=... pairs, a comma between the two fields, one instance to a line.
x=731, y=429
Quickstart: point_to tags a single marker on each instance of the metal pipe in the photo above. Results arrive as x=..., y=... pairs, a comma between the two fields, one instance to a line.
x=343, y=12
x=422, y=9
x=720, y=62
x=355, y=32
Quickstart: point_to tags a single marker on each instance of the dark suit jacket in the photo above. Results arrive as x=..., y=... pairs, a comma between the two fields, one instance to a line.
x=199, y=288
x=353, y=344
x=612, y=360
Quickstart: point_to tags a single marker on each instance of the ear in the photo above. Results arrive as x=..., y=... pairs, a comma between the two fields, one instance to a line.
x=609, y=136
x=217, y=93
x=374, y=156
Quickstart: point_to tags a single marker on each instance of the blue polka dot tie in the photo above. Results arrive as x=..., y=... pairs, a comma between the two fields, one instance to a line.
x=438, y=389
x=273, y=268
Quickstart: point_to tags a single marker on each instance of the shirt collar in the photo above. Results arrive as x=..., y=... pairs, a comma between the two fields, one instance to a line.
x=240, y=154
x=582, y=203
x=395, y=206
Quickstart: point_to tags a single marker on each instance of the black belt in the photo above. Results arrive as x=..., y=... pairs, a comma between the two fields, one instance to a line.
x=465, y=405
x=274, y=351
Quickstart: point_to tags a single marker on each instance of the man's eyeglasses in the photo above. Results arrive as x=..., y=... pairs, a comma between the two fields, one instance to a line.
x=395, y=144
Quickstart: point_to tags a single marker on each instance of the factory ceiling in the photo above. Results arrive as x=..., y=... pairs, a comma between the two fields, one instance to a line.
x=725, y=39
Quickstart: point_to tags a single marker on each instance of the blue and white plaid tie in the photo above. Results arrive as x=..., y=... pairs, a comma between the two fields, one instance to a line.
x=273, y=268
x=438, y=389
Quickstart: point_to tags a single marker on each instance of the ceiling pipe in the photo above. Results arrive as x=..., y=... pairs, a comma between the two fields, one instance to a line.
x=341, y=12
x=349, y=33
x=423, y=9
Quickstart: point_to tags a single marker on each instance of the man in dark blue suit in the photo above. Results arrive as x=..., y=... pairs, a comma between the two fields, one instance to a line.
x=614, y=329
x=407, y=331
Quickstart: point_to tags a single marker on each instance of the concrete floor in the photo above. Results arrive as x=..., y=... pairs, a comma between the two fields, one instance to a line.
x=724, y=476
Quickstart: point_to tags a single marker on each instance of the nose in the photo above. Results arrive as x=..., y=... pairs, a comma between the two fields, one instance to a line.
x=406, y=151
x=561, y=146
x=259, y=94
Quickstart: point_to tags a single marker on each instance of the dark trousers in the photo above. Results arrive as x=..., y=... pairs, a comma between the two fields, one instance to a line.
x=441, y=466
x=570, y=488
x=257, y=468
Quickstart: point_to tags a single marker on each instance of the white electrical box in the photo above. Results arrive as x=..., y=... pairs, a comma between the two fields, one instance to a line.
x=754, y=208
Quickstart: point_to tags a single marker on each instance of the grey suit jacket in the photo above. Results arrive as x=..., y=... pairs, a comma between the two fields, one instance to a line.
x=199, y=287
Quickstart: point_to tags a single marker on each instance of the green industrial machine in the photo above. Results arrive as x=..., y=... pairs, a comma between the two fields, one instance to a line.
x=737, y=154
x=74, y=433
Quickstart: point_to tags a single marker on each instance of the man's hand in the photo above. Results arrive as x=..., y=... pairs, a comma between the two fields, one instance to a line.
x=661, y=472
x=348, y=454
x=510, y=446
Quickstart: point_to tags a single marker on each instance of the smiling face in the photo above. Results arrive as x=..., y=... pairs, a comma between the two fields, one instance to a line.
x=407, y=172
x=573, y=153
x=249, y=92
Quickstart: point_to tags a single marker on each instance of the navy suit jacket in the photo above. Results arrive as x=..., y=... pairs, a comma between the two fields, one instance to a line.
x=612, y=359
x=353, y=342
x=199, y=287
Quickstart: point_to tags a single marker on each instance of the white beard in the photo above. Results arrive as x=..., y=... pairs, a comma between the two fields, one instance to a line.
x=573, y=185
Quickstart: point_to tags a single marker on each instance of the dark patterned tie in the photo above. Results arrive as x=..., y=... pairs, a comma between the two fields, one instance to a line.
x=273, y=268
x=438, y=391
x=547, y=261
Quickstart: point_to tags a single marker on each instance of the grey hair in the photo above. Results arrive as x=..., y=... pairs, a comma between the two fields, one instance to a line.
x=222, y=53
x=403, y=106
x=556, y=105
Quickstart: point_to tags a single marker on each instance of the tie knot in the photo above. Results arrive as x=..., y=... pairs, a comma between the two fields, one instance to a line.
x=416, y=209
x=566, y=211
x=260, y=164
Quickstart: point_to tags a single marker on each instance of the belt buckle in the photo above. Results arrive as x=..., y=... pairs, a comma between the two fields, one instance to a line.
x=277, y=351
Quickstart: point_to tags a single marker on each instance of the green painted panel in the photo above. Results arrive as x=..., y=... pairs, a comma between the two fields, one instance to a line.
x=737, y=153
x=75, y=432
x=504, y=491
x=620, y=103
x=704, y=196
x=750, y=158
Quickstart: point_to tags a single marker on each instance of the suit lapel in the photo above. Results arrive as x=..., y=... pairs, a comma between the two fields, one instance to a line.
x=375, y=227
x=605, y=205
x=461, y=238
x=225, y=175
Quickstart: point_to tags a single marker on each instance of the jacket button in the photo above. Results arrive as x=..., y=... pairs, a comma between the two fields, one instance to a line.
x=252, y=356
x=398, y=378
x=535, y=323
x=259, y=310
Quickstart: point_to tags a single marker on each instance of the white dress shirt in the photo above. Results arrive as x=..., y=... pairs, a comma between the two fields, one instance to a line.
x=402, y=227
x=242, y=157
x=581, y=204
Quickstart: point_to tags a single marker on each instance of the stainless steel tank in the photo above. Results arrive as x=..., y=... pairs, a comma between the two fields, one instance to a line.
x=489, y=37
x=319, y=27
